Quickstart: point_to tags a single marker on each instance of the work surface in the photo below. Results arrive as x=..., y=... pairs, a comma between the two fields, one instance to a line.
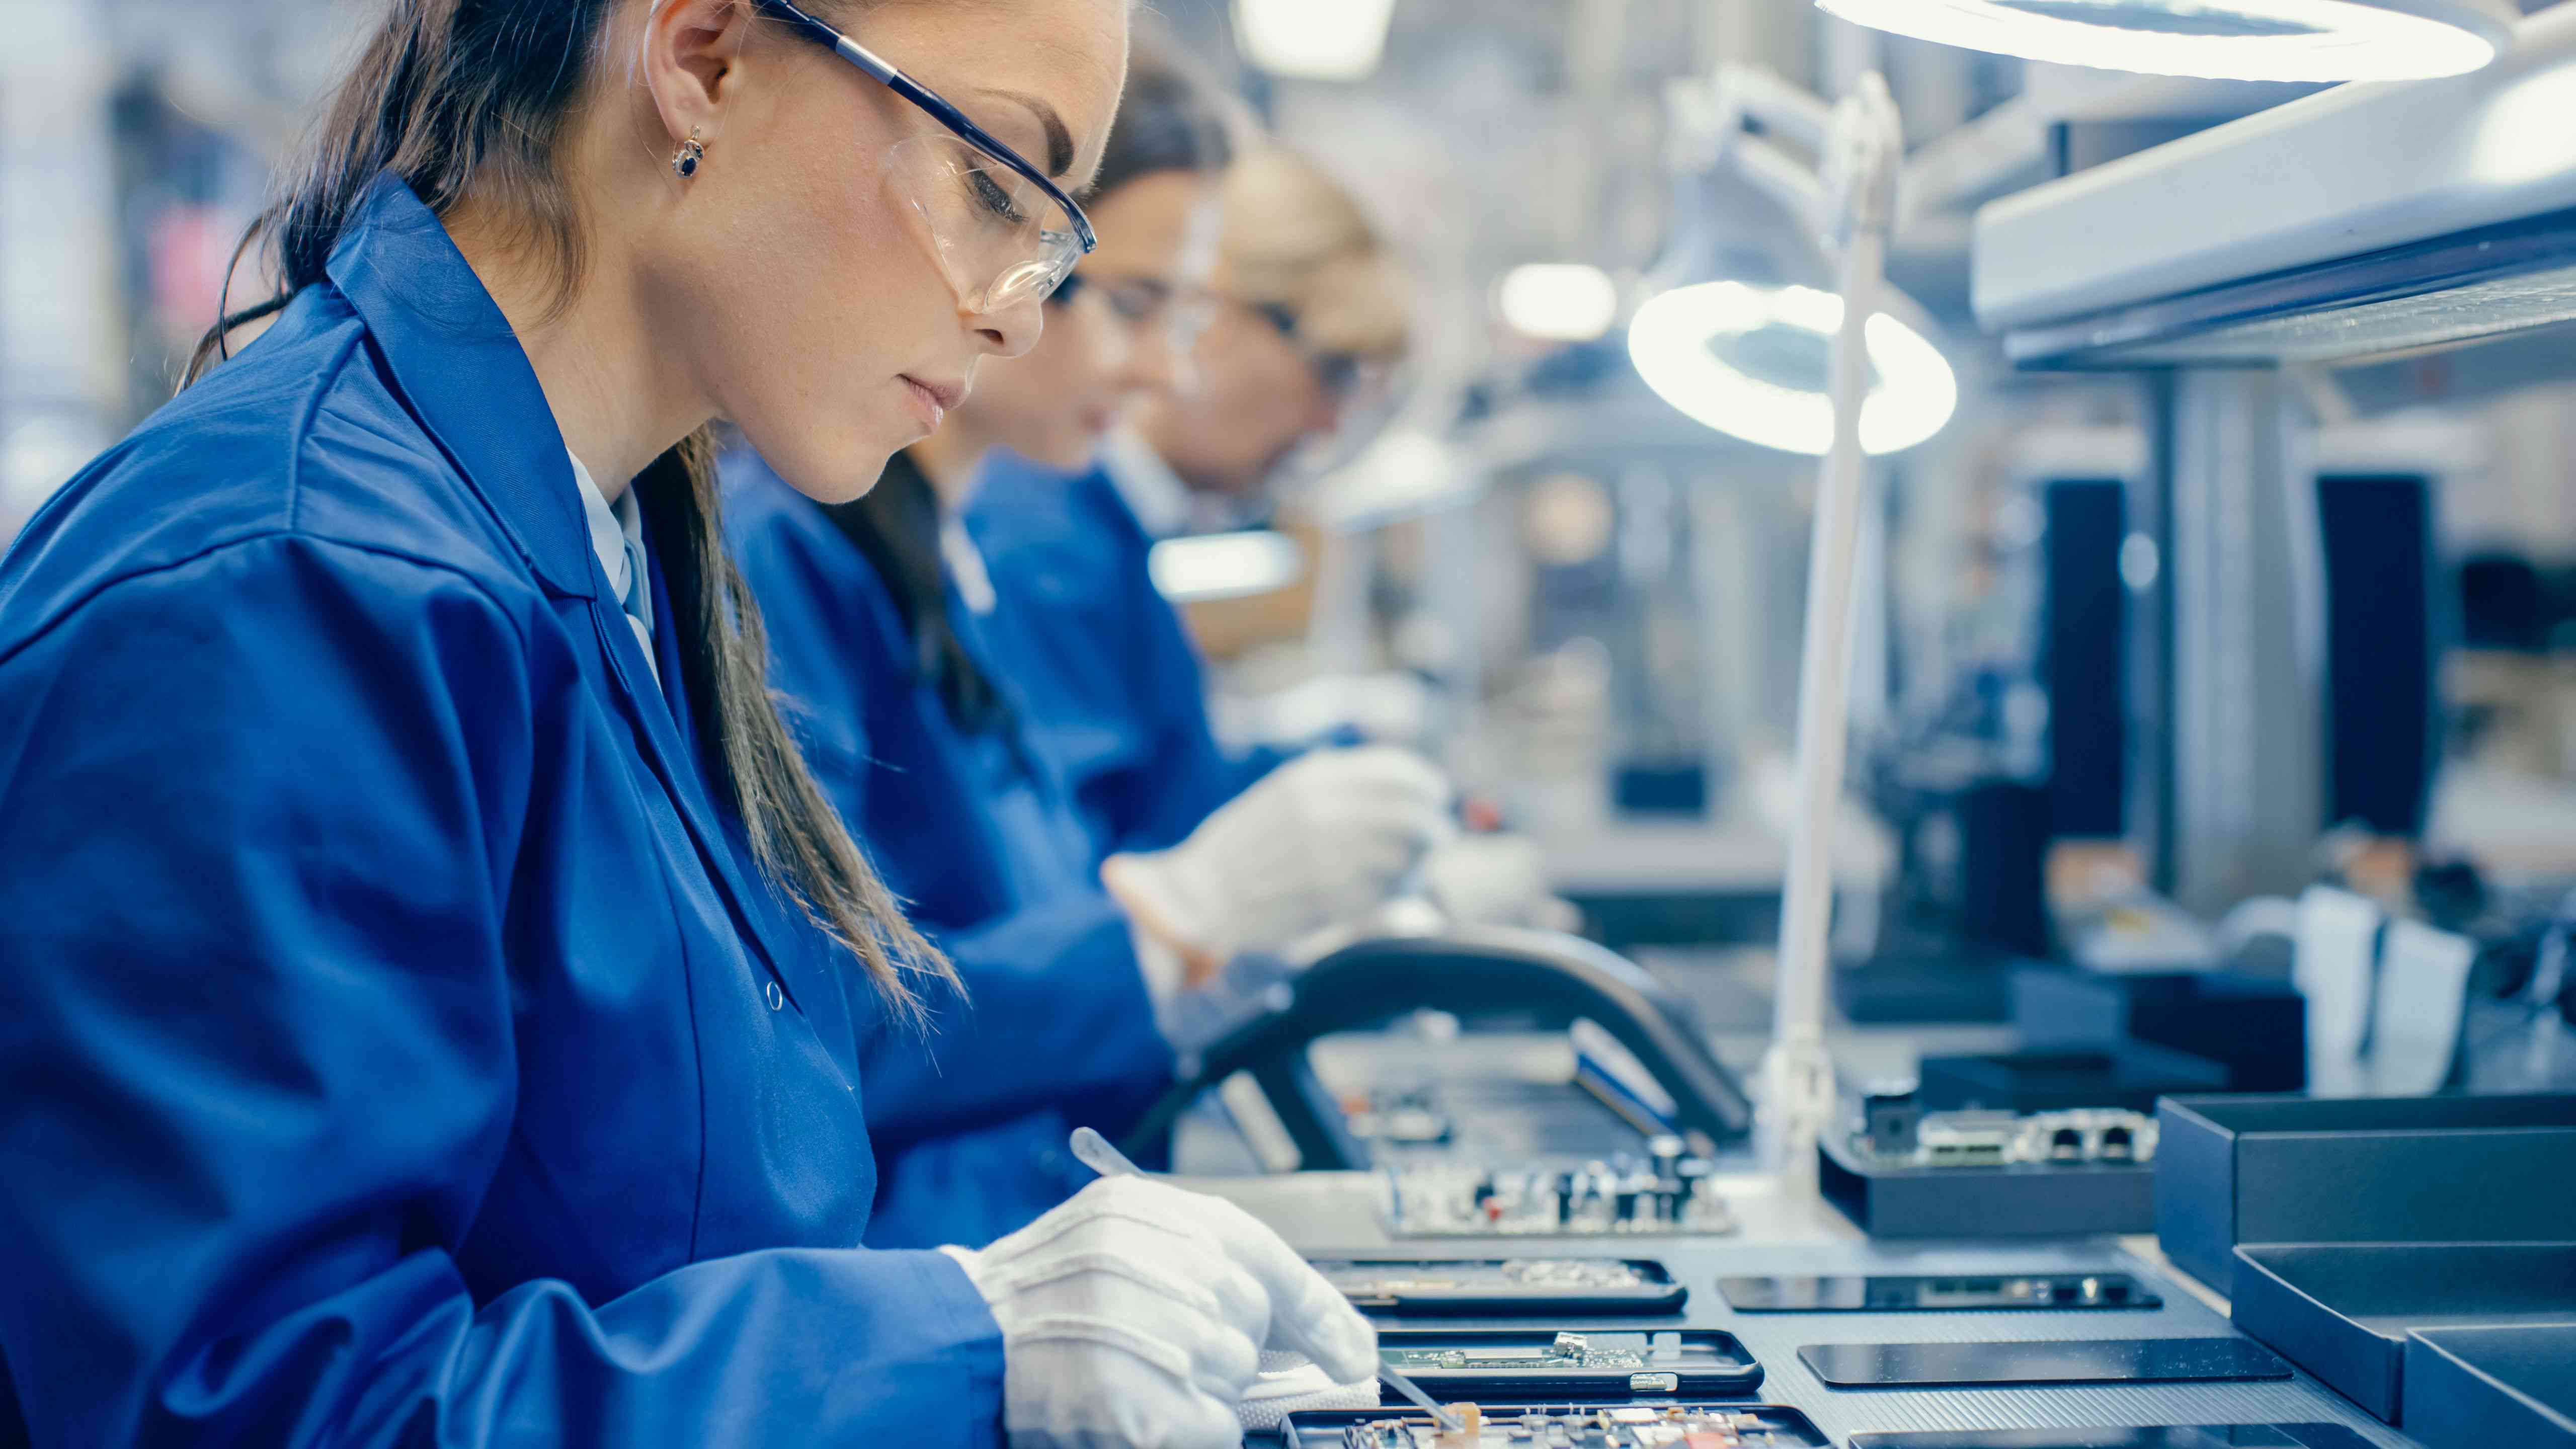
x=1330, y=1214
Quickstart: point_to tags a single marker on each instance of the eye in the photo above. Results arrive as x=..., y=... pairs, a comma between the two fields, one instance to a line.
x=996, y=201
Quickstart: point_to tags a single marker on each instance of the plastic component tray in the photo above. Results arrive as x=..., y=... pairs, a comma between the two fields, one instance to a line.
x=1586, y=1363
x=2233, y=1170
x=1757, y=1426
x=2485, y=1388
x=2025, y=1200
x=2343, y=1311
x=2196, y=1436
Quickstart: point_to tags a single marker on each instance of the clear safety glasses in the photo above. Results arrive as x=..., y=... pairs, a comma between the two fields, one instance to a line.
x=1003, y=233
x=1146, y=306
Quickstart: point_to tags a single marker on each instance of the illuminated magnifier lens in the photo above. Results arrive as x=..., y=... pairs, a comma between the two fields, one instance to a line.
x=998, y=236
x=2259, y=40
x=1752, y=362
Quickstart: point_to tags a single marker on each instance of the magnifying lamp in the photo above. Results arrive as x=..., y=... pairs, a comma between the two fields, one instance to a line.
x=2253, y=40
x=1754, y=362
x=1825, y=373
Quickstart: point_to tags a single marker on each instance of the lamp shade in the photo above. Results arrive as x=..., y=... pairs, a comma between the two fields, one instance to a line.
x=2254, y=40
x=1751, y=362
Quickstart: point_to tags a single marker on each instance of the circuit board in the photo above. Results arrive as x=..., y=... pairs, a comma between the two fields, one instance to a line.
x=1505, y=1273
x=2004, y=1139
x=1484, y=1364
x=1592, y=1199
x=1563, y=1426
x=1568, y=1353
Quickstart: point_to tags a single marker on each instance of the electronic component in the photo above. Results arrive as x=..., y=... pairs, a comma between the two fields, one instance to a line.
x=1985, y=1292
x=2098, y=1136
x=1508, y=1285
x=1398, y=1118
x=2079, y=1361
x=1563, y=1426
x=1592, y=1363
x=1670, y=1194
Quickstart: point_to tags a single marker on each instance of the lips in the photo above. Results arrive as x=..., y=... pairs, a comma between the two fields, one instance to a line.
x=932, y=400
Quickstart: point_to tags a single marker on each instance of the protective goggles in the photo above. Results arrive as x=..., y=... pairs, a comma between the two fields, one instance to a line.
x=1343, y=375
x=1146, y=305
x=1002, y=231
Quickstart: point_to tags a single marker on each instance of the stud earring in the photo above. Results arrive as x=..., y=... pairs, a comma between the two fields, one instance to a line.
x=692, y=151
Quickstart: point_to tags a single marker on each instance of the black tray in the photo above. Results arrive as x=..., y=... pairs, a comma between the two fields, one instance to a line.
x=2109, y=1290
x=2127, y=1075
x=2256, y=1029
x=2233, y=1170
x=2342, y=1311
x=2023, y=1200
x=1482, y=1286
x=2485, y=1388
x=1324, y=1428
x=2196, y=1436
x=1690, y=1363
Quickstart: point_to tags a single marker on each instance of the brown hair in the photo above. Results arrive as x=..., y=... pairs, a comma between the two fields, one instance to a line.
x=1170, y=119
x=459, y=96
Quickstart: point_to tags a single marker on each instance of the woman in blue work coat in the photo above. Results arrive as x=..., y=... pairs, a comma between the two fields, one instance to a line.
x=882, y=633
x=1309, y=309
x=434, y=984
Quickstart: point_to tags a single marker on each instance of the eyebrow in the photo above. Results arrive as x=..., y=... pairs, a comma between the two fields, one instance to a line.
x=1059, y=139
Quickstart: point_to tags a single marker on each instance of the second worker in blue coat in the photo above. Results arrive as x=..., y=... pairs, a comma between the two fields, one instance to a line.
x=888, y=649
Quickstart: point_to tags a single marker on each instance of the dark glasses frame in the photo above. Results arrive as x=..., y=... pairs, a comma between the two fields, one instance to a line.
x=937, y=105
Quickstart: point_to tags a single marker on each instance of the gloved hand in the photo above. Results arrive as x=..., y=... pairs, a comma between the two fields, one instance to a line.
x=1496, y=880
x=1136, y=1314
x=1321, y=839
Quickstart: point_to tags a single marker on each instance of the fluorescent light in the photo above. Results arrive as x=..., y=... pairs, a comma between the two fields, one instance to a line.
x=1333, y=40
x=1558, y=302
x=2254, y=40
x=1217, y=566
x=1750, y=362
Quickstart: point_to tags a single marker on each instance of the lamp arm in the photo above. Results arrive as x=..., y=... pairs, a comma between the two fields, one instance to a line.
x=1862, y=158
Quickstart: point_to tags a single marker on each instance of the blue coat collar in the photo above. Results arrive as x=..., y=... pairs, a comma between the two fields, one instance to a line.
x=465, y=375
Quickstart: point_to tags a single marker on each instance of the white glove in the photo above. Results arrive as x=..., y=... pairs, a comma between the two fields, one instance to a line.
x=1496, y=880
x=1321, y=839
x=1136, y=1314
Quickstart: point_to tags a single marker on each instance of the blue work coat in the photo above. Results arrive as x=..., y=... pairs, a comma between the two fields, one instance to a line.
x=397, y=1044
x=1114, y=688
x=974, y=830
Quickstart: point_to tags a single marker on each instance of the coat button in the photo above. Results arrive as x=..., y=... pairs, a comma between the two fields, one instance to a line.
x=777, y=998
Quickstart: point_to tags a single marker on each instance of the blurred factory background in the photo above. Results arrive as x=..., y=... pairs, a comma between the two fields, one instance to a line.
x=2138, y=645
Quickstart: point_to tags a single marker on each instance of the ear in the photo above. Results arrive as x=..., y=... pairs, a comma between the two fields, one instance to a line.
x=692, y=52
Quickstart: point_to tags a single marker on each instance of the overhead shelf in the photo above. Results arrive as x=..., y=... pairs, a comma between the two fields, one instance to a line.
x=2361, y=222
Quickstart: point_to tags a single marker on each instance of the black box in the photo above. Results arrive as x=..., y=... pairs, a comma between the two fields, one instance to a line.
x=2486, y=1388
x=2130, y=1075
x=2256, y=1029
x=2342, y=1311
x=2235, y=1170
x=2024, y=1200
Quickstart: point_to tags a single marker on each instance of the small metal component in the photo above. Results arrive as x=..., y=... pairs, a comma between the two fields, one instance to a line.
x=1571, y=1345
x=1654, y=1383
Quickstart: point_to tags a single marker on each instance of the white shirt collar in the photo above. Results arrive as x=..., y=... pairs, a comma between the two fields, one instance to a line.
x=612, y=525
x=1154, y=493
x=614, y=528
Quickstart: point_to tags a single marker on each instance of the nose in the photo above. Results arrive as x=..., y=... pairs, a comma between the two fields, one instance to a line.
x=1153, y=364
x=1010, y=330
x=1323, y=412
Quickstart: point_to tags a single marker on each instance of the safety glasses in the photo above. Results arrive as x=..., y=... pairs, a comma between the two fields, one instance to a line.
x=1343, y=375
x=1002, y=232
x=1148, y=305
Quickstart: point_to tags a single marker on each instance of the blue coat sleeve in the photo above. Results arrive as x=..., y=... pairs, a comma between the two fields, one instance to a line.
x=257, y=1065
x=1184, y=774
x=1056, y=1010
